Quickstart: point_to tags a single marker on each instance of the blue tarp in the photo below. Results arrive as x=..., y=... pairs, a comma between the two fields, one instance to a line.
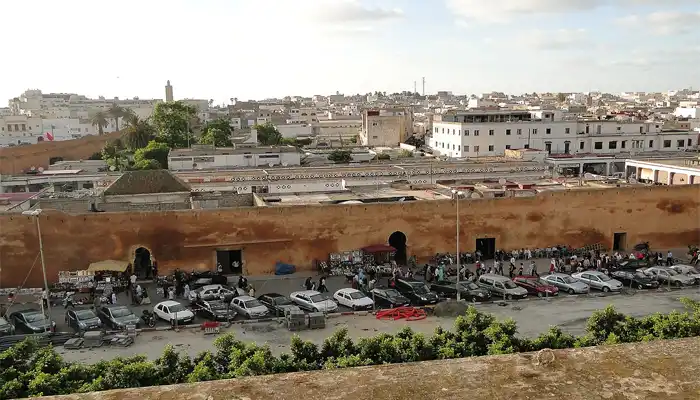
x=284, y=269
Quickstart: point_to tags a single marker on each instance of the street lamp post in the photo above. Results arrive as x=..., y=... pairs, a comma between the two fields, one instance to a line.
x=35, y=214
x=457, y=195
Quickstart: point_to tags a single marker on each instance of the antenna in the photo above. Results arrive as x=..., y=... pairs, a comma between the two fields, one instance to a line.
x=415, y=88
x=423, y=86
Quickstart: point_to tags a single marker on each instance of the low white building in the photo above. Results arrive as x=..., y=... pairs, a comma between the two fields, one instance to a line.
x=202, y=158
x=672, y=171
x=487, y=133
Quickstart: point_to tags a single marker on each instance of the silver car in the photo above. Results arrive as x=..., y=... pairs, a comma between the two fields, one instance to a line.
x=566, y=283
x=688, y=270
x=249, y=307
x=598, y=280
x=669, y=276
x=501, y=286
x=313, y=301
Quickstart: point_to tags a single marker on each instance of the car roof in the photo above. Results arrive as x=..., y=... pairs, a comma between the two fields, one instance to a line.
x=214, y=286
x=527, y=277
x=168, y=303
x=557, y=274
x=348, y=290
x=307, y=292
x=245, y=298
x=495, y=277
x=273, y=295
x=27, y=311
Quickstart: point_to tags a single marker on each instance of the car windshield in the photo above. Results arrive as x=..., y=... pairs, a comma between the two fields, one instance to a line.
x=604, y=278
x=672, y=272
x=694, y=271
x=392, y=293
x=120, y=312
x=469, y=286
x=253, y=303
x=509, y=285
x=176, y=308
x=34, y=317
x=282, y=301
x=85, y=314
x=218, y=305
x=420, y=288
x=317, y=298
x=356, y=295
x=568, y=279
x=640, y=275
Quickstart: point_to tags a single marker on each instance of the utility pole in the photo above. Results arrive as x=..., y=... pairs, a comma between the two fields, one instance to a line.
x=415, y=88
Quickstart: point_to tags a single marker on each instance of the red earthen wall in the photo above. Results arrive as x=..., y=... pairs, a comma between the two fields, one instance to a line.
x=667, y=217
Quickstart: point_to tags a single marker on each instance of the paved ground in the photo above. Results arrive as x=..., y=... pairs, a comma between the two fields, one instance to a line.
x=533, y=317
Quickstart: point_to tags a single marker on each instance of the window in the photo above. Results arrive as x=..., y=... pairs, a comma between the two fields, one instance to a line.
x=443, y=130
x=490, y=147
x=466, y=149
x=548, y=131
x=612, y=145
x=534, y=131
x=588, y=129
x=641, y=129
x=9, y=128
x=24, y=127
x=476, y=132
x=680, y=143
x=508, y=132
x=598, y=145
x=476, y=149
x=567, y=130
x=374, y=124
x=436, y=130
x=458, y=146
x=527, y=146
x=454, y=147
x=507, y=147
x=491, y=132
x=623, y=144
x=651, y=143
x=580, y=145
x=667, y=143
x=454, y=131
x=619, y=128
x=466, y=132
x=690, y=142
x=598, y=129
x=520, y=131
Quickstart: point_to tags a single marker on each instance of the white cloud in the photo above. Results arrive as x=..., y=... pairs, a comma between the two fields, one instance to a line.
x=353, y=11
x=664, y=22
x=562, y=39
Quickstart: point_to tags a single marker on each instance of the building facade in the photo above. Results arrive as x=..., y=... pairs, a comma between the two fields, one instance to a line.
x=222, y=158
x=386, y=127
x=488, y=133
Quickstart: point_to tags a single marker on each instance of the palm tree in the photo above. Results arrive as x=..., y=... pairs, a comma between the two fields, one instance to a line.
x=99, y=120
x=116, y=112
x=138, y=132
x=129, y=117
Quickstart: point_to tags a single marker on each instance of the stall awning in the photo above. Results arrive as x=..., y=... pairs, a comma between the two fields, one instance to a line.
x=108, y=265
x=378, y=248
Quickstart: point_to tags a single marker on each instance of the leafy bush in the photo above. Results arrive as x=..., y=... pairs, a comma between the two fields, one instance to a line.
x=27, y=370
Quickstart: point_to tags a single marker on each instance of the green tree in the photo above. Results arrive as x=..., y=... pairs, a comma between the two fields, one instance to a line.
x=173, y=123
x=137, y=133
x=99, y=120
x=340, y=156
x=218, y=133
x=153, y=156
x=114, y=154
x=268, y=135
x=405, y=153
x=116, y=112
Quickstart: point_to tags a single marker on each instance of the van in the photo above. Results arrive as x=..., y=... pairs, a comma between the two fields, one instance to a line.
x=501, y=286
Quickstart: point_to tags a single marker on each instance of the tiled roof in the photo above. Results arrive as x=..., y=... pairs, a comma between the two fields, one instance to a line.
x=144, y=182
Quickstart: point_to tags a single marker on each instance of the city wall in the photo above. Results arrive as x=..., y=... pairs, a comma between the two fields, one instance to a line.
x=15, y=160
x=667, y=217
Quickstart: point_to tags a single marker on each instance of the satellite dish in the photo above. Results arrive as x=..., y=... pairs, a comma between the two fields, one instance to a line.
x=112, y=168
x=271, y=165
x=502, y=181
x=285, y=164
x=41, y=169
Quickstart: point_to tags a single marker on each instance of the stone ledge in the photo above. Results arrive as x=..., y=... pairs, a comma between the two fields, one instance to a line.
x=642, y=371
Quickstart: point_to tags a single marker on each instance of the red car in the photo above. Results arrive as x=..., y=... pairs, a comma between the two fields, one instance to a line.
x=534, y=286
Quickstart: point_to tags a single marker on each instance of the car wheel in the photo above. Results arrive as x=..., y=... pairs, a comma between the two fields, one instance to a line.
x=509, y=297
x=571, y=291
x=354, y=308
x=677, y=283
x=606, y=289
x=640, y=286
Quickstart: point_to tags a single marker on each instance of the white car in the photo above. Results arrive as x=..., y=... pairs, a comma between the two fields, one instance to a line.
x=172, y=311
x=211, y=292
x=353, y=298
x=688, y=270
x=598, y=280
x=250, y=307
x=314, y=301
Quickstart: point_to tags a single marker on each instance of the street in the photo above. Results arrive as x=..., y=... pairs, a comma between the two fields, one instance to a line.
x=533, y=317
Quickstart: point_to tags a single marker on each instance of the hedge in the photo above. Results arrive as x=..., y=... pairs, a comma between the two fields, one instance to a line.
x=27, y=370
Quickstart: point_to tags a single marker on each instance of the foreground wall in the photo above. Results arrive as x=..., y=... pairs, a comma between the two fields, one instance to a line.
x=14, y=160
x=659, y=370
x=667, y=217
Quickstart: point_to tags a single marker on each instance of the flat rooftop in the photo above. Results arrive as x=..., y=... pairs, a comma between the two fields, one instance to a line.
x=231, y=150
x=383, y=193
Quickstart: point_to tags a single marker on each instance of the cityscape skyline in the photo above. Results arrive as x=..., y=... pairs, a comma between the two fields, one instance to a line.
x=352, y=46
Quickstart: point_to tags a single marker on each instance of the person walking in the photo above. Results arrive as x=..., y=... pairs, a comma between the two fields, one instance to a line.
x=322, y=285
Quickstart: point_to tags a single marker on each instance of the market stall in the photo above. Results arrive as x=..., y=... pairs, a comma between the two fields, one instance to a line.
x=375, y=259
x=102, y=277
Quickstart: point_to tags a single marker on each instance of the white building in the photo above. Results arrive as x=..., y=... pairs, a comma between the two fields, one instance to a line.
x=488, y=133
x=386, y=127
x=202, y=158
x=687, y=112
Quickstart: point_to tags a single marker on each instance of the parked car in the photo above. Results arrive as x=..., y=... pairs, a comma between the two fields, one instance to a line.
x=566, y=283
x=314, y=301
x=213, y=310
x=173, y=312
x=277, y=303
x=598, y=280
x=388, y=298
x=668, y=276
x=249, y=307
x=416, y=291
x=688, y=270
x=501, y=286
x=632, y=265
x=31, y=321
x=535, y=286
x=212, y=292
x=117, y=317
x=6, y=328
x=467, y=290
x=206, y=278
x=635, y=279
x=83, y=320
x=353, y=298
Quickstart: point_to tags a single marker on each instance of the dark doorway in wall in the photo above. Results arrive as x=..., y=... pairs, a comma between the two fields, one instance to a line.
x=231, y=261
x=619, y=241
x=487, y=247
x=142, y=263
x=397, y=240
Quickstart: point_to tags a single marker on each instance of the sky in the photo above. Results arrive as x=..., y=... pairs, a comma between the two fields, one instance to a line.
x=255, y=49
